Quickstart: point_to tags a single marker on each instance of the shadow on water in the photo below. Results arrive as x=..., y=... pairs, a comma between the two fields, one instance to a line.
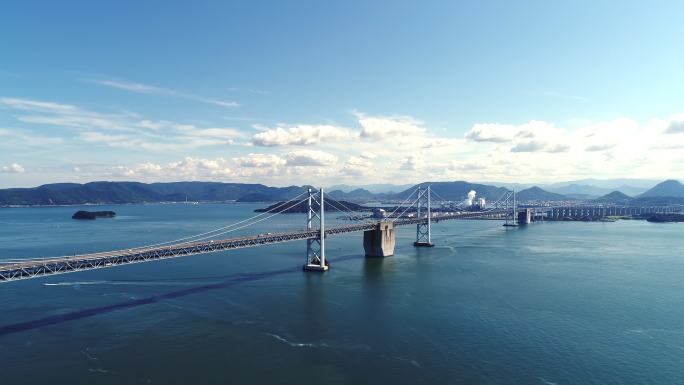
x=373, y=268
x=93, y=311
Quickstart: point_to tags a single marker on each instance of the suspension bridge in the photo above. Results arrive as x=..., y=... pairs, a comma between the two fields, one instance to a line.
x=378, y=236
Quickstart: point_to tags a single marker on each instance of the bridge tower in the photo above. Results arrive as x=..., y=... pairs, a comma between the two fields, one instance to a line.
x=511, y=210
x=315, y=247
x=423, y=230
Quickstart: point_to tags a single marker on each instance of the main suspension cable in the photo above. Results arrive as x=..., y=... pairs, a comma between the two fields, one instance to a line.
x=402, y=203
x=224, y=227
x=248, y=224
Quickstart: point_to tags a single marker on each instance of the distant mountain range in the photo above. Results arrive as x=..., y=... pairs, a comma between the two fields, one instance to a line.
x=667, y=192
x=359, y=194
x=134, y=192
x=579, y=189
x=451, y=191
x=537, y=194
x=670, y=191
x=377, y=188
x=669, y=188
x=586, y=188
x=614, y=197
x=456, y=191
x=582, y=191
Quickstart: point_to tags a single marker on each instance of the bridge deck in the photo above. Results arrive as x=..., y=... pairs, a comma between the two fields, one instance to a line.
x=66, y=264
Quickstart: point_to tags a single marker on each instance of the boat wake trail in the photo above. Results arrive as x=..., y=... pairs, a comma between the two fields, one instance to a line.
x=90, y=312
x=298, y=344
x=318, y=345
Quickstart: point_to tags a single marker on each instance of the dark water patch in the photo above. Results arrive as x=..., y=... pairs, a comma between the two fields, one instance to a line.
x=90, y=312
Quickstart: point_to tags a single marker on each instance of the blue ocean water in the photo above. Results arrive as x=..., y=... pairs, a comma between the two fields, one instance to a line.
x=551, y=303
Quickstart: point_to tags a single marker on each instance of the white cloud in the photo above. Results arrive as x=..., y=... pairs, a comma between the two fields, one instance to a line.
x=540, y=130
x=535, y=146
x=153, y=90
x=367, y=155
x=310, y=158
x=36, y=105
x=536, y=151
x=209, y=136
x=128, y=142
x=502, y=133
x=156, y=143
x=603, y=136
x=150, y=168
x=361, y=165
x=356, y=170
x=600, y=147
x=491, y=132
x=260, y=160
x=83, y=121
x=132, y=132
x=411, y=163
x=377, y=149
x=676, y=125
x=188, y=168
x=393, y=127
x=222, y=133
x=249, y=90
x=467, y=165
x=533, y=136
x=301, y=135
x=130, y=86
x=563, y=95
x=13, y=138
x=436, y=144
x=13, y=168
x=150, y=124
x=190, y=164
x=373, y=128
x=70, y=116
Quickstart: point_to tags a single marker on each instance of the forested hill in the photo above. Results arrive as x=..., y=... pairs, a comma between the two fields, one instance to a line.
x=134, y=192
x=668, y=192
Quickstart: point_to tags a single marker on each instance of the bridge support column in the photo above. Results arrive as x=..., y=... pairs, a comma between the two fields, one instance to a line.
x=315, y=247
x=380, y=241
x=525, y=217
x=423, y=230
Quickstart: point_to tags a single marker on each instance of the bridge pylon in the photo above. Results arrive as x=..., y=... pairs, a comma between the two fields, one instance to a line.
x=511, y=216
x=423, y=230
x=315, y=247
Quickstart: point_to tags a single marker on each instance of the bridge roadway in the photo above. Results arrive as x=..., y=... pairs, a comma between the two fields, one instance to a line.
x=67, y=264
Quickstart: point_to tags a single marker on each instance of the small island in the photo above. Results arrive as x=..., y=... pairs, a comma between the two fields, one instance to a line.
x=82, y=214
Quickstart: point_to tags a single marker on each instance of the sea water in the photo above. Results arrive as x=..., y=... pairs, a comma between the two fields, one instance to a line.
x=549, y=303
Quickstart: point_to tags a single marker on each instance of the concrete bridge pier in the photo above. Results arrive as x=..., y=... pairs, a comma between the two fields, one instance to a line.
x=525, y=217
x=380, y=241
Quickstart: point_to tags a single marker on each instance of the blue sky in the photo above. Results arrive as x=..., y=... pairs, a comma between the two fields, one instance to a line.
x=326, y=92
